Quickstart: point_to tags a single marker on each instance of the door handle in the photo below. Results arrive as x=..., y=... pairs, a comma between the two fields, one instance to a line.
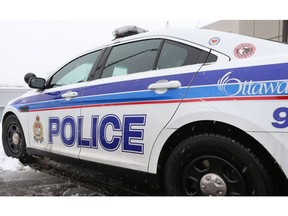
x=69, y=95
x=162, y=86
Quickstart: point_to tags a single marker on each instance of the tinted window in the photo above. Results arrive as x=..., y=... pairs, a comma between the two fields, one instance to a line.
x=175, y=54
x=131, y=58
x=76, y=71
x=211, y=58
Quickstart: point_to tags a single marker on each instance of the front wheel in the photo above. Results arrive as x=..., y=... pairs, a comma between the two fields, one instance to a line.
x=13, y=139
x=214, y=165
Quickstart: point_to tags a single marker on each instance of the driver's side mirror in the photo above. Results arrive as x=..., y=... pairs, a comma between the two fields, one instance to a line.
x=34, y=82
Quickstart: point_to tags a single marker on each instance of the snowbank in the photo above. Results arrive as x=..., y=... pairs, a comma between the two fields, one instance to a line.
x=8, y=163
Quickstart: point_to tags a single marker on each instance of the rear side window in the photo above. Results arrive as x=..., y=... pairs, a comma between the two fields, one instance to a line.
x=211, y=58
x=174, y=54
x=131, y=58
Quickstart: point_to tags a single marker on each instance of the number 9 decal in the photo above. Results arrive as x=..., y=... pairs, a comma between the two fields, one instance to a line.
x=281, y=117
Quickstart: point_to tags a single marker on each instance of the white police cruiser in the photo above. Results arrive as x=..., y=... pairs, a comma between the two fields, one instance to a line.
x=205, y=112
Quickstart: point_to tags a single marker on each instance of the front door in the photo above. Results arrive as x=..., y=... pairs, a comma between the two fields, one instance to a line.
x=54, y=112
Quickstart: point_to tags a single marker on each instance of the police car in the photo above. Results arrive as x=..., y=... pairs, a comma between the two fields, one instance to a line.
x=204, y=112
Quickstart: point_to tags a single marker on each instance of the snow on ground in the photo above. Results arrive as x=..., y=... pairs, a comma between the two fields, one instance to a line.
x=8, y=163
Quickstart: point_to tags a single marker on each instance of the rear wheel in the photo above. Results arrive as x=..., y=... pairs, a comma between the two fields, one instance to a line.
x=13, y=139
x=214, y=165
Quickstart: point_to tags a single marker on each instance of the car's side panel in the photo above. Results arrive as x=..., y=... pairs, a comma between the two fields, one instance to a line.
x=110, y=104
x=254, y=93
x=52, y=124
x=250, y=97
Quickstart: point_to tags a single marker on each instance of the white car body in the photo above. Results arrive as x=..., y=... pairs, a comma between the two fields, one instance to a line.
x=126, y=120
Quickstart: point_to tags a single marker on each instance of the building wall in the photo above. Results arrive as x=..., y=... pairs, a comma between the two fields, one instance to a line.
x=231, y=26
x=9, y=93
x=266, y=29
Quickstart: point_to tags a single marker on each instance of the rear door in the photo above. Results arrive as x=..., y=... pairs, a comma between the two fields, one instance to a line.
x=139, y=89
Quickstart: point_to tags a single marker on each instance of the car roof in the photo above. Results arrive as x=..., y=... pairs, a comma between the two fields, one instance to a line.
x=227, y=43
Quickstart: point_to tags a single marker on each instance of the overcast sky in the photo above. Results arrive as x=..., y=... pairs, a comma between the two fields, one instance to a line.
x=43, y=46
x=40, y=36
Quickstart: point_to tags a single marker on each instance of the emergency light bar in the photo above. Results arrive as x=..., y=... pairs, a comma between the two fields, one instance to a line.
x=127, y=31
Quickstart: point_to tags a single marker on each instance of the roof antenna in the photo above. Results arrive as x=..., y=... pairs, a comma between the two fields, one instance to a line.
x=167, y=24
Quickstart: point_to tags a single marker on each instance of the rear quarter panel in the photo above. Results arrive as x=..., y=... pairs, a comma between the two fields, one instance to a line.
x=245, y=94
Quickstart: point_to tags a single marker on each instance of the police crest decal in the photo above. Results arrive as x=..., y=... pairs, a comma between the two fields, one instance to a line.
x=38, y=130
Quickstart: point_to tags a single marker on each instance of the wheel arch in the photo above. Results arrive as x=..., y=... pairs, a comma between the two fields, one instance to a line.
x=216, y=127
x=22, y=117
x=8, y=114
x=10, y=110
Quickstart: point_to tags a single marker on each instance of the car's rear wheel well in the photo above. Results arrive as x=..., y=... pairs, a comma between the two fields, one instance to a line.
x=213, y=127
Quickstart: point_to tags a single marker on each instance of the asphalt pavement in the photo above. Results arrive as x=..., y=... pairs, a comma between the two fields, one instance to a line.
x=44, y=177
x=36, y=183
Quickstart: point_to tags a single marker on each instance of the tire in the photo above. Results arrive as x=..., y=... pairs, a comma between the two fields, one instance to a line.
x=13, y=139
x=209, y=164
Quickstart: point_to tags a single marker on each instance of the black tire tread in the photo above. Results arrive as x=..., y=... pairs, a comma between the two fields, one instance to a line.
x=23, y=156
x=185, y=145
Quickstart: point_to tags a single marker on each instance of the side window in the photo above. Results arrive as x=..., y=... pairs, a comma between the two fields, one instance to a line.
x=174, y=54
x=211, y=58
x=76, y=71
x=131, y=58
